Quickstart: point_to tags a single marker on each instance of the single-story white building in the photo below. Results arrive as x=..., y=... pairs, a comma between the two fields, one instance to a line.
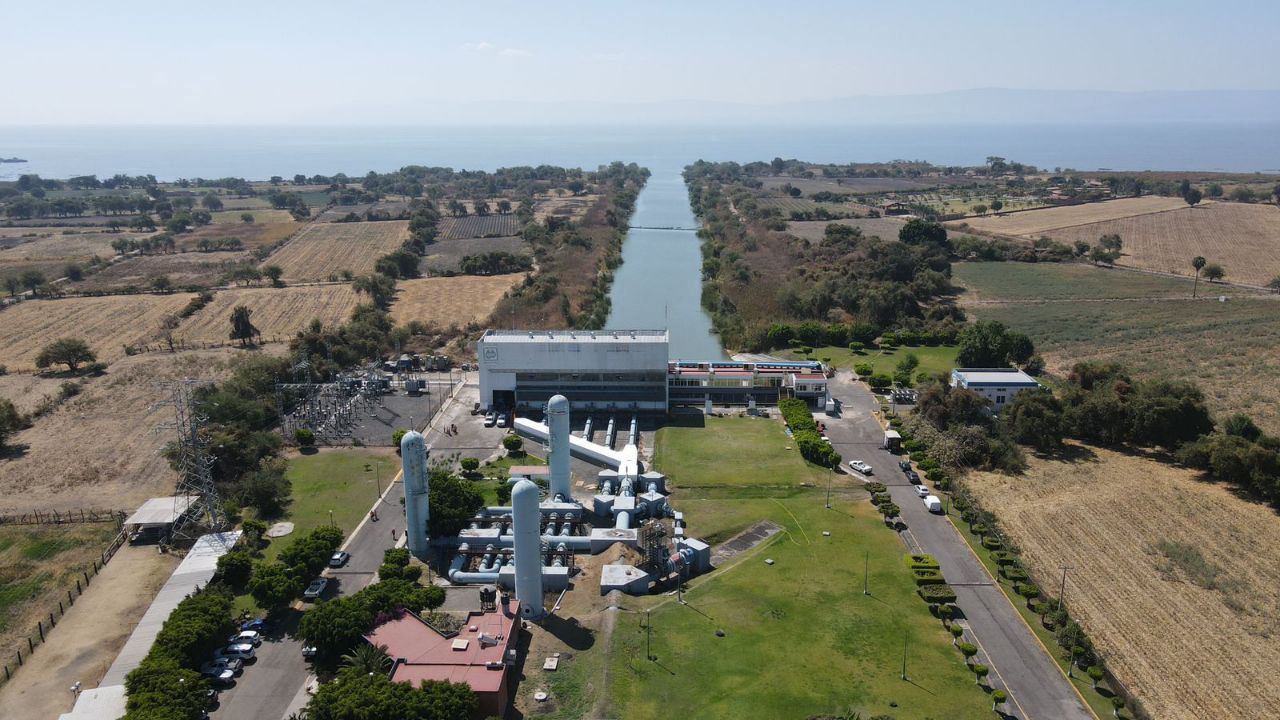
x=998, y=385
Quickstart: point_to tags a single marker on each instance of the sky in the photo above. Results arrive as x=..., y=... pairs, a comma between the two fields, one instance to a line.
x=277, y=61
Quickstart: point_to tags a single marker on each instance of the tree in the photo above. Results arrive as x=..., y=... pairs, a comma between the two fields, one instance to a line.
x=1035, y=418
x=980, y=209
x=211, y=201
x=73, y=272
x=905, y=368
x=514, y=445
x=923, y=232
x=304, y=437
x=1193, y=197
x=358, y=696
x=1095, y=674
x=13, y=284
x=168, y=325
x=11, y=421
x=997, y=699
x=380, y=289
x=1273, y=286
x=161, y=689
x=336, y=626
x=988, y=343
x=273, y=586
x=235, y=568
x=997, y=205
x=161, y=283
x=1117, y=704
x=368, y=659
x=65, y=351
x=453, y=502
x=246, y=218
x=32, y=280
x=242, y=328
x=980, y=672
x=1197, y=262
x=274, y=273
x=1213, y=272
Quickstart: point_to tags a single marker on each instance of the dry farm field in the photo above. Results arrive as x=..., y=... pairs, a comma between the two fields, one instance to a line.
x=101, y=448
x=266, y=229
x=187, y=269
x=277, y=312
x=1173, y=578
x=324, y=249
x=446, y=301
x=1243, y=238
x=445, y=255
x=54, y=249
x=107, y=324
x=27, y=392
x=563, y=204
x=1034, y=223
x=476, y=226
x=885, y=228
x=852, y=186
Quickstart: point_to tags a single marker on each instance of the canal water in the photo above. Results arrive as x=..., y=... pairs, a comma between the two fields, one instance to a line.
x=659, y=284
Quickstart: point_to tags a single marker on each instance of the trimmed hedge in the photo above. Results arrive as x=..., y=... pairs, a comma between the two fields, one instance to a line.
x=991, y=543
x=928, y=576
x=881, y=498
x=979, y=529
x=805, y=433
x=1004, y=557
x=1014, y=574
x=922, y=561
x=876, y=488
x=940, y=593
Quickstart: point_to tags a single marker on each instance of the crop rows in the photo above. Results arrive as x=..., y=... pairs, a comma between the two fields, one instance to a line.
x=324, y=249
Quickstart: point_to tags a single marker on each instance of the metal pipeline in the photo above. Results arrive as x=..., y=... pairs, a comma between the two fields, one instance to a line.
x=586, y=429
x=611, y=433
x=634, y=436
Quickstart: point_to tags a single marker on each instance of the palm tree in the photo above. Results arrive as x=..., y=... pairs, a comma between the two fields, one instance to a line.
x=368, y=659
x=1198, y=263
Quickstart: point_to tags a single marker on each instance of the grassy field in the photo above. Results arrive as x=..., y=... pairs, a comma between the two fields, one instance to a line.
x=37, y=566
x=933, y=360
x=694, y=455
x=325, y=249
x=885, y=228
x=1075, y=313
x=277, y=312
x=341, y=481
x=187, y=269
x=1243, y=238
x=1140, y=578
x=447, y=301
x=1034, y=223
x=107, y=324
x=800, y=639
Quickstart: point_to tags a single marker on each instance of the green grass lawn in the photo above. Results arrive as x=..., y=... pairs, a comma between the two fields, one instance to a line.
x=761, y=454
x=1227, y=348
x=933, y=359
x=337, y=480
x=800, y=638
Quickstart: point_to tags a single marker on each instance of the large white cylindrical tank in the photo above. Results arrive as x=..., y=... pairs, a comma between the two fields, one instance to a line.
x=558, y=440
x=526, y=518
x=417, y=508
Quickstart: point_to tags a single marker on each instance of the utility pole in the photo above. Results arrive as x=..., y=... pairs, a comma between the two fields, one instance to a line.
x=331, y=517
x=648, y=630
x=828, y=492
x=1062, y=590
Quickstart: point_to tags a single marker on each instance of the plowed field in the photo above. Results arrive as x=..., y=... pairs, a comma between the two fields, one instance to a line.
x=1038, y=222
x=324, y=249
x=446, y=301
x=278, y=313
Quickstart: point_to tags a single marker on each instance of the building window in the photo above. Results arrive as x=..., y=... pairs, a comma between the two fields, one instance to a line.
x=999, y=399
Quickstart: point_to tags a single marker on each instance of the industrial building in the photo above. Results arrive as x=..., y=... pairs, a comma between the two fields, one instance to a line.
x=627, y=370
x=998, y=385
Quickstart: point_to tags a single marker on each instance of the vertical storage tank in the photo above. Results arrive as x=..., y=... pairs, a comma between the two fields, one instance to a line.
x=558, y=440
x=417, y=509
x=526, y=518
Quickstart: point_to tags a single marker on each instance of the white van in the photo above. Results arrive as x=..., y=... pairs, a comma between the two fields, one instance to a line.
x=933, y=504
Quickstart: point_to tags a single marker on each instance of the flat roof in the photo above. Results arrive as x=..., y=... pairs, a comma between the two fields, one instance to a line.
x=994, y=376
x=161, y=510
x=195, y=570
x=421, y=653
x=574, y=336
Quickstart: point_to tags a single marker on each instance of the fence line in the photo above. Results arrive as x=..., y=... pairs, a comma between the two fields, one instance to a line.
x=60, y=517
x=48, y=622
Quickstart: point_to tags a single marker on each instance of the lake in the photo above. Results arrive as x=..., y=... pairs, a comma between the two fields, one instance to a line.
x=659, y=283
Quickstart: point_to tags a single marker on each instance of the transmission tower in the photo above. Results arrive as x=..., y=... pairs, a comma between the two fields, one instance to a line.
x=195, y=471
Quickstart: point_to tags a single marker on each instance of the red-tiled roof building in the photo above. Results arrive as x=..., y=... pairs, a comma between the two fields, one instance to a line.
x=477, y=655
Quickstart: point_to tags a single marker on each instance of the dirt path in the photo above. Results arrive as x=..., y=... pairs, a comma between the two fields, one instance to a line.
x=88, y=637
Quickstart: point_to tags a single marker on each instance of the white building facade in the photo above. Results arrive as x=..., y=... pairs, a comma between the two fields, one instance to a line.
x=999, y=385
x=596, y=370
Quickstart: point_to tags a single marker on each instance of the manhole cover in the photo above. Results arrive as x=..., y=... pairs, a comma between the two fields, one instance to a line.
x=280, y=529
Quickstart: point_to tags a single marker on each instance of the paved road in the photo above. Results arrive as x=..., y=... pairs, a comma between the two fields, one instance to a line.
x=273, y=687
x=1037, y=688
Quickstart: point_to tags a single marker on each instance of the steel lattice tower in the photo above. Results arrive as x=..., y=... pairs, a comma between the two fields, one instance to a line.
x=195, y=470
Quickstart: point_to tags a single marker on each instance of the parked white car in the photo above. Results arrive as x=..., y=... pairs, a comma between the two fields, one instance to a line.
x=239, y=651
x=922, y=491
x=861, y=467
x=252, y=637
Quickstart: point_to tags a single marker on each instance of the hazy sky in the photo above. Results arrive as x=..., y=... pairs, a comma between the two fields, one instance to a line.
x=273, y=61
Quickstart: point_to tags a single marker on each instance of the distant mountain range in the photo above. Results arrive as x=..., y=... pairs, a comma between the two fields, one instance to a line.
x=978, y=106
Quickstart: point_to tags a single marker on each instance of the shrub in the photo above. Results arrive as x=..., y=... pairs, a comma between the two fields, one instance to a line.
x=939, y=593
x=863, y=369
x=969, y=649
x=881, y=498
x=991, y=543
x=957, y=632
x=928, y=576
x=979, y=529
x=944, y=484
x=879, y=381
x=927, y=464
x=234, y=569
x=922, y=561
x=1095, y=674
x=398, y=435
x=876, y=487
x=304, y=437
x=1030, y=591
x=980, y=671
x=1013, y=574
x=513, y=444
x=889, y=510
x=1004, y=557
